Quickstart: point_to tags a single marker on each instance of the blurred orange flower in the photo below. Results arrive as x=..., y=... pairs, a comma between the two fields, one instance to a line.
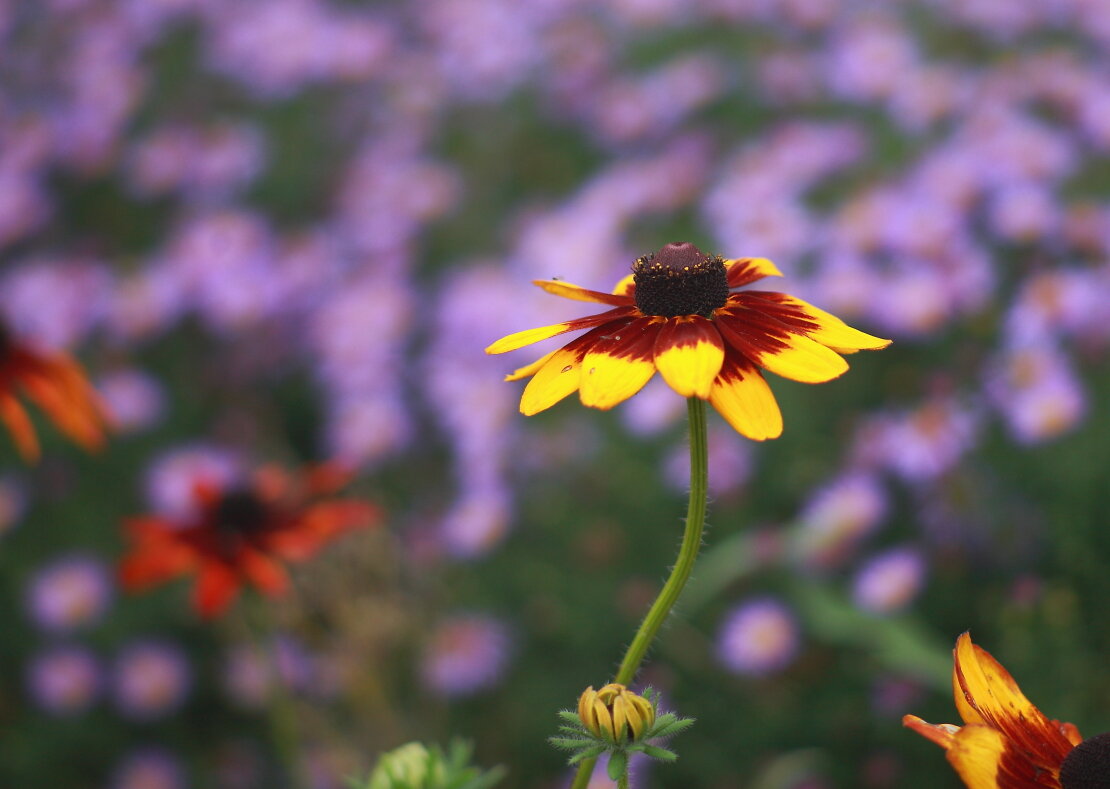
x=55, y=382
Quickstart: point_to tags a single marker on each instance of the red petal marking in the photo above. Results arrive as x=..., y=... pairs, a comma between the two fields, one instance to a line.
x=744, y=271
x=750, y=331
x=216, y=587
x=769, y=303
x=631, y=338
x=19, y=424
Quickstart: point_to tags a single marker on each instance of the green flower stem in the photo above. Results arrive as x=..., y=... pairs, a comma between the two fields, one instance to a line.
x=687, y=554
x=280, y=707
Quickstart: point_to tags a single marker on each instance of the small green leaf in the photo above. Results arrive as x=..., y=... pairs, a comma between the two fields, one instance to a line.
x=570, y=743
x=662, y=754
x=588, y=753
x=618, y=765
x=570, y=717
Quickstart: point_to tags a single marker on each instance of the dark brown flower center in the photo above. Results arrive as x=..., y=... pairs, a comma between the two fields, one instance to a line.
x=239, y=511
x=680, y=279
x=1087, y=766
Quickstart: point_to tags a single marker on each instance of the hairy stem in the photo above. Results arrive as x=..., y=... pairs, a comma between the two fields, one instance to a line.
x=687, y=554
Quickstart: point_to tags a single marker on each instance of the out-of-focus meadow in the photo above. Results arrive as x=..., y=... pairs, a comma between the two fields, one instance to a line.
x=282, y=231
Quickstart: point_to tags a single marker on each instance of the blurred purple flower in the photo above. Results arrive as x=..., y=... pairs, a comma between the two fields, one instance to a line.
x=64, y=680
x=1037, y=392
x=69, y=593
x=203, y=164
x=465, y=654
x=836, y=519
x=923, y=443
x=149, y=768
x=134, y=400
x=870, y=59
x=55, y=302
x=889, y=581
x=758, y=637
x=150, y=679
x=249, y=673
x=278, y=47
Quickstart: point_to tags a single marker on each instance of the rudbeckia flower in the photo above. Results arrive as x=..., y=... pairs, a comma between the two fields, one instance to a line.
x=238, y=534
x=1006, y=742
x=55, y=383
x=676, y=313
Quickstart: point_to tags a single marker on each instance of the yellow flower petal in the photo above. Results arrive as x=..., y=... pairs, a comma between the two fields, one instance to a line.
x=529, y=369
x=688, y=354
x=530, y=336
x=558, y=377
x=619, y=363
x=742, y=271
x=976, y=754
x=578, y=293
x=627, y=286
x=773, y=346
x=745, y=401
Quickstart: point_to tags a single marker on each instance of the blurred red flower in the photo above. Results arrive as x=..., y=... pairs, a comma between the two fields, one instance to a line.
x=240, y=533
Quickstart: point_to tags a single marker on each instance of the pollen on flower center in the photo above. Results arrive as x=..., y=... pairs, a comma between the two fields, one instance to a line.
x=1087, y=766
x=680, y=279
x=240, y=512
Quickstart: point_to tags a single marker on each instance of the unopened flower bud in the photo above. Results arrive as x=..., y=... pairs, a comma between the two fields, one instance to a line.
x=615, y=713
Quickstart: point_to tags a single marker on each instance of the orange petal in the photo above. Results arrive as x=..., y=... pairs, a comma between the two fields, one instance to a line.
x=745, y=401
x=987, y=694
x=744, y=271
x=619, y=362
x=688, y=354
x=775, y=347
x=19, y=424
x=530, y=336
x=578, y=293
x=71, y=413
x=939, y=733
